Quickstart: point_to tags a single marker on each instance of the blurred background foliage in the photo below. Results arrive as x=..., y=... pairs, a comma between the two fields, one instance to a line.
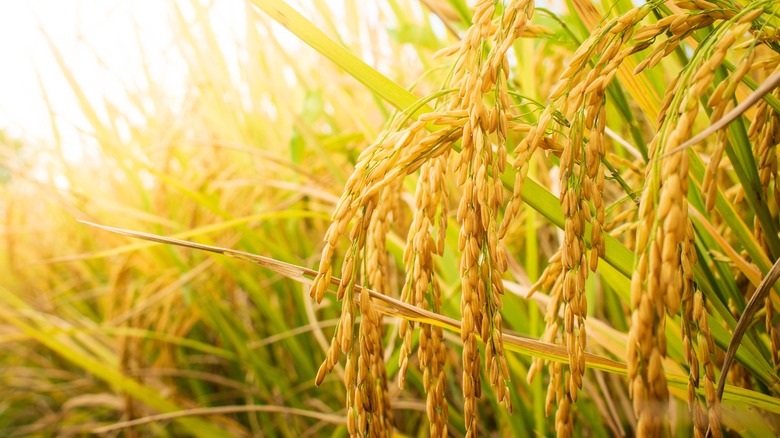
x=250, y=152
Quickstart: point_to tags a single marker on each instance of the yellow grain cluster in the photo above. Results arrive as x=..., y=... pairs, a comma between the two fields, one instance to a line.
x=663, y=276
x=580, y=97
x=721, y=101
x=421, y=285
x=479, y=167
x=372, y=210
x=481, y=69
x=677, y=27
x=656, y=285
x=573, y=127
x=697, y=345
x=764, y=133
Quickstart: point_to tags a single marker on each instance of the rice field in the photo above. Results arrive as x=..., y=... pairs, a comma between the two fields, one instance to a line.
x=407, y=218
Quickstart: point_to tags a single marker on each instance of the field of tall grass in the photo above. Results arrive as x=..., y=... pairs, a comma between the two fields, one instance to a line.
x=415, y=218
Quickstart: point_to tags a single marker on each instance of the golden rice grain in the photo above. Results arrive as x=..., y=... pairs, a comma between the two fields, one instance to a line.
x=418, y=257
x=579, y=95
x=482, y=261
x=669, y=257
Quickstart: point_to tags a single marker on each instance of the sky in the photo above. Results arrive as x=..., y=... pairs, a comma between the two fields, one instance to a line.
x=100, y=41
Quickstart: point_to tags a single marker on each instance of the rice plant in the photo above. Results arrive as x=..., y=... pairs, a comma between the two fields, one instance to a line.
x=512, y=220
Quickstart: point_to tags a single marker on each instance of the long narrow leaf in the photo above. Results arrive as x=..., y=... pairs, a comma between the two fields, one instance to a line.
x=393, y=307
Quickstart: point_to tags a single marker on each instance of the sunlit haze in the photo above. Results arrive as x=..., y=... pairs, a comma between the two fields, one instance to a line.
x=108, y=46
